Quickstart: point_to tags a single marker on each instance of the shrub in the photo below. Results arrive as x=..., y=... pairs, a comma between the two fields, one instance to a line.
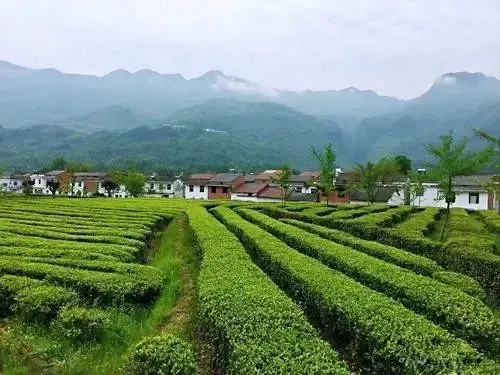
x=254, y=326
x=464, y=283
x=377, y=332
x=41, y=304
x=390, y=254
x=10, y=286
x=461, y=314
x=82, y=324
x=165, y=355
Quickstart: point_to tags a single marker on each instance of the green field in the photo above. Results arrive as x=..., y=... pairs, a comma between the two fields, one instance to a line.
x=164, y=286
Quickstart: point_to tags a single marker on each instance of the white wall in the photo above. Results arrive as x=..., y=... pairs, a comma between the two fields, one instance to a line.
x=246, y=198
x=40, y=185
x=430, y=199
x=196, y=193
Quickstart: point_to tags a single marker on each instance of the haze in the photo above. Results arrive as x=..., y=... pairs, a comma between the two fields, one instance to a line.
x=393, y=47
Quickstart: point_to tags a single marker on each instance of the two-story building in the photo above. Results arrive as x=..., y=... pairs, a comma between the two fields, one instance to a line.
x=222, y=184
x=87, y=183
x=196, y=186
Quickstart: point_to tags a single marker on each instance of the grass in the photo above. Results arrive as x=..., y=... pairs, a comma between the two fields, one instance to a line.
x=31, y=349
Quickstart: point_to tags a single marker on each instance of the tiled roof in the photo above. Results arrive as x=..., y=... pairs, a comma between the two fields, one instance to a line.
x=250, y=188
x=311, y=174
x=298, y=178
x=202, y=176
x=270, y=192
x=54, y=173
x=267, y=175
x=383, y=194
x=224, y=178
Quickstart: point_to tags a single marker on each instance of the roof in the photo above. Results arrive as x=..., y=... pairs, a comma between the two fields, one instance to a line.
x=250, y=188
x=54, y=173
x=250, y=177
x=383, y=194
x=267, y=175
x=224, y=178
x=270, y=192
x=90, y=174
x=310, y=174
x=200, y=178
x=299, y=178
x=473, y=180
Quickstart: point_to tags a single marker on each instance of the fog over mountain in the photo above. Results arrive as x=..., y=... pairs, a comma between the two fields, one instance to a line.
x=125, y=115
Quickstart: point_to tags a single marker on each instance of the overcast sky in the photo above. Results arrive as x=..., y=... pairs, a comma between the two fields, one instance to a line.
x=395, y=47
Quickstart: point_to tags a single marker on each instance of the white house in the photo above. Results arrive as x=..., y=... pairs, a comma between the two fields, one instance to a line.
x=470, y=194
x=165, y=186
x=196, y=186
x=39, y=183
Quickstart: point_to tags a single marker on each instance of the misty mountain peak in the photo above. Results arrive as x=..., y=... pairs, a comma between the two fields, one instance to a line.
x=119, y=73
x=464, y=78
x=6, y=65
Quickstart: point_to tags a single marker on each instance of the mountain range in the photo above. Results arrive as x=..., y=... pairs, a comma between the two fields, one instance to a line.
x=217, y=121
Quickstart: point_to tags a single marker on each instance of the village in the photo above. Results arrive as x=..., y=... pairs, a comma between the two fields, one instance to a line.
x=471, y=192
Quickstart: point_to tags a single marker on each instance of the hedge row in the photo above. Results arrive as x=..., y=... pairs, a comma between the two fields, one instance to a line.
x=422, y=222
x=378, y=333
x=78, y=230
x=463, y=230
x=390, y=254
x=402, y=258
x=166, y=354
x=255, y=327
x=54, y=254
x=482, y=266
x=385, y=218
x=123, y=253
x=491, y=218
x=10, y=286
x=458, y=312
x=97, y=287
x=41, y=303
x=28, y=230
x=30, y=217
x=319, y=211
x=132, y=269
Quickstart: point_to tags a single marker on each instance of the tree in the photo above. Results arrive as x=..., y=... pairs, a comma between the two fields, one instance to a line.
x=59, y=163
x=53, y=186
x=372, y=177
x=416, y=188
x=453, y=159
x=404, y=164
x=494, y=185
x=110, y=186
x=28, y=186
x=326, y=160
x=134, y=183
x=283, y=181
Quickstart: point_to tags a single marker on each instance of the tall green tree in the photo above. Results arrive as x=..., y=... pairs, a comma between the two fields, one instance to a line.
x=326, y=160
x=404, y=164
x=494, y=143
x=283, y=181
x=451, y=159
x=134, y=183
x=59, y=163
x=371, y=177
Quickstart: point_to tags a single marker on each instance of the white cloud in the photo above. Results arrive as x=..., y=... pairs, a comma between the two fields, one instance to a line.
x=392, y=46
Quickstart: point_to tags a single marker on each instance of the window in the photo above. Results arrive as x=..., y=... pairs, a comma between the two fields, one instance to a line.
x=202, y=188
x=38, y=181
x=80, y=184
x=473, y=198
x=214, y=190
x=169, y=186
x=15, y=183
x=152, y=186
x=191, y=188
x=224, y=190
